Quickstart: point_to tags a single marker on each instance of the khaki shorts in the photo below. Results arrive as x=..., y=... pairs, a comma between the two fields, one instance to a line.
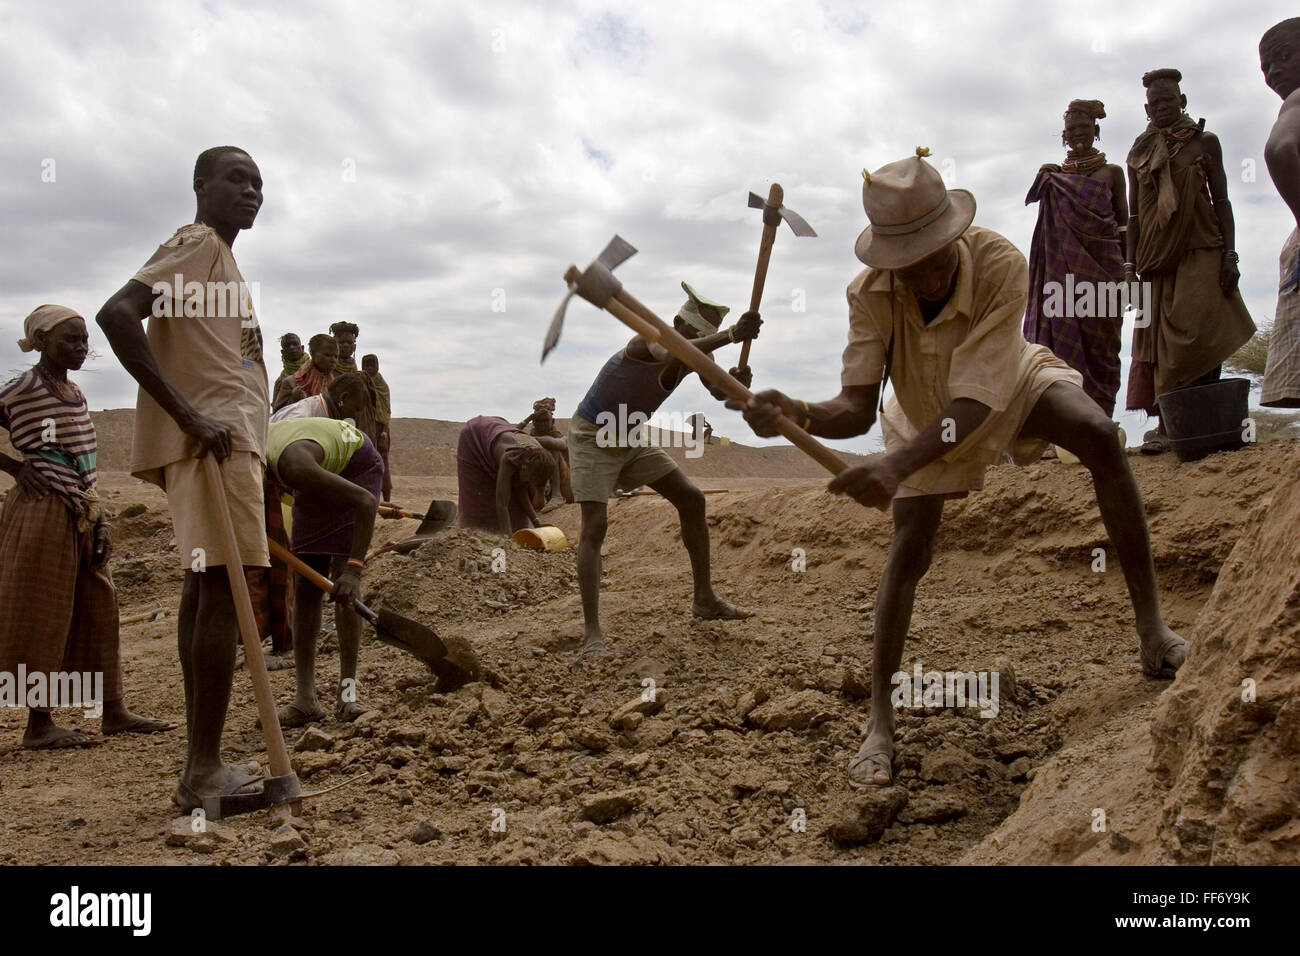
x=956, y=475
x=195, y=521
x=597, y=472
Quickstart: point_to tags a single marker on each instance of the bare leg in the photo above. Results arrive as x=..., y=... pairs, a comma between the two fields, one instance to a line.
x=916, y=522
x=347, y=623
x=689, y=502
x=306, y=630
x=208, y=633
x=1066, y=416
x=594, y=524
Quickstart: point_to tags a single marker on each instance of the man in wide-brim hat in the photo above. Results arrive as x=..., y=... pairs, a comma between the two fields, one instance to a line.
x=938, y=311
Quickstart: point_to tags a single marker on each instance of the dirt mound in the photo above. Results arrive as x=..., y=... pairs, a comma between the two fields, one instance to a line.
x=1227, y=735
x=1206, y=771
x=462, y=573
x=739, y=751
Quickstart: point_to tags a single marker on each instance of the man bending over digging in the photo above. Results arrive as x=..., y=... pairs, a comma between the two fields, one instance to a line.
x=637, y=380
x=335, y=475
x=939, y=309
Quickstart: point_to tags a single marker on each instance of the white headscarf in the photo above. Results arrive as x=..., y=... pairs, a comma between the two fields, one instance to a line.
x=43, y=319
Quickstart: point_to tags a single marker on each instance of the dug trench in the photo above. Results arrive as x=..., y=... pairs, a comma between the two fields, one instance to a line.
x=695, y=742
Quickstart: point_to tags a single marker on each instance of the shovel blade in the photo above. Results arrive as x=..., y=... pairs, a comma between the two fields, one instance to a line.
x=453, y=660
x=439, y=515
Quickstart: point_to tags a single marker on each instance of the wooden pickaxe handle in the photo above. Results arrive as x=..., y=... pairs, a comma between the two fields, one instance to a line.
x=775, y=197
x=650, y=327
x=265, y=697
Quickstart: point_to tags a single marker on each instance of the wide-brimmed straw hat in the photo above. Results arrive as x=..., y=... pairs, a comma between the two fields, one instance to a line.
x=912, y=213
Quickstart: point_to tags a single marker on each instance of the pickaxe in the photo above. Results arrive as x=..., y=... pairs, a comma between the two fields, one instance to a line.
x=599, y=287
x=773, y=213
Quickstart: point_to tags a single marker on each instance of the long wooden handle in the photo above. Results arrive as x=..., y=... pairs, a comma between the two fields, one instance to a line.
x=312, y=576
x=775, y=197
x=271, y=732
x=649, y=326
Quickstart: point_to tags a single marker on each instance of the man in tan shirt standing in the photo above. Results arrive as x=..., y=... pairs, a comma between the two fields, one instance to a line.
x=203, y=390
x=938, y=310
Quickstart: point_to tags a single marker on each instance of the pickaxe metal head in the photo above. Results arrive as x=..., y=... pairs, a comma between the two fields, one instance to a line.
x=773, y=214
x=597, y=285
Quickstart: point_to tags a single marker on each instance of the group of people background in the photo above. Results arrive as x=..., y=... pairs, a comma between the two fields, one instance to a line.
x=946, y=311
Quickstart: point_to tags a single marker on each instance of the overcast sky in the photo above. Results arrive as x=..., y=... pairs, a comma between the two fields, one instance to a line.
x=431, y=169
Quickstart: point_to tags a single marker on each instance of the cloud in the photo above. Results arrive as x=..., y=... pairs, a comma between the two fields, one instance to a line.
x=431, y=172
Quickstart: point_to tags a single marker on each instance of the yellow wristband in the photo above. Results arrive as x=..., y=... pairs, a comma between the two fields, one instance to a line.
x=807, y=415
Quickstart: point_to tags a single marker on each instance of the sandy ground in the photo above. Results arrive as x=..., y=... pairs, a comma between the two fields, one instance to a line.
x=754, y=721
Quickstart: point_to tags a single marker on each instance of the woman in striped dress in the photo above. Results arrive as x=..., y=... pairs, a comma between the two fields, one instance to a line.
x=58, y=606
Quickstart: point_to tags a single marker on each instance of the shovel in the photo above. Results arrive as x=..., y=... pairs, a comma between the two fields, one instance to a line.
x=452, y=659
x=439, y=515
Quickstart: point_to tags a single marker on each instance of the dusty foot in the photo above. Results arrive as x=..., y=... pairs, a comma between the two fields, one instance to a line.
x=350, y=711
x=296, y=715
x=125, y=722
x=720, y=610
x=593, y=648
x=279, y=662
x=54, y=738
x=874, y=764
x=226, y=781
x=1162, y=653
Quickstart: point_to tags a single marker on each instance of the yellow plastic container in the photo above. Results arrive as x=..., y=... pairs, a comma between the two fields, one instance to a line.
x=546, y=538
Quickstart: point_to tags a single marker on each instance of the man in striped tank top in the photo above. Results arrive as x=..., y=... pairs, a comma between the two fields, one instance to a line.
x=56, y=594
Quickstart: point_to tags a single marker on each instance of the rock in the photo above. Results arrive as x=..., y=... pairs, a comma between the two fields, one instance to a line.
x=286, y=841
x=1006, y=672
x=638, y=705
x=655, y=732
x=751, y=699
x=133, y=511
x=197, y=834
x=843, y=679
x=398, y=756
x=934, y=806
x=443, y=740
x=863, y=817
x=949, y=764
x=604, y=807
x=539, y=716
x=365, y=854
x=630, y=722
x=747, y=835
x=494, y=704
x=408, y=734
x=612, y=848
x=798, y=711
x=1019, y=768
x=314, y=739
x=426, y=832
x=592, y=738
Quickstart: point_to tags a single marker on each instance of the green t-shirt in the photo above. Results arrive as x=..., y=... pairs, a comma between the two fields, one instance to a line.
x=339, y=440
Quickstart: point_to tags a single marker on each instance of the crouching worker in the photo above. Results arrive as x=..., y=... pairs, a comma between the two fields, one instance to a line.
x=334, y=474
x=58, y=606
x=636, y=381
x=938, y=312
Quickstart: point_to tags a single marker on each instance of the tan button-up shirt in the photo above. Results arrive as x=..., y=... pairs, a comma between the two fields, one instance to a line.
x=973, y=348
